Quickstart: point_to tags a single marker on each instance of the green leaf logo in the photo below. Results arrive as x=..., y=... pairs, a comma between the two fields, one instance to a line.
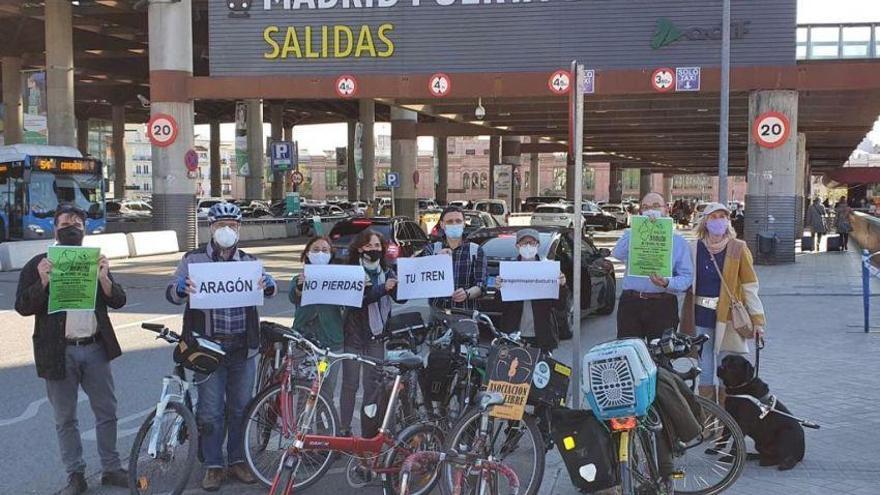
x=666, y=34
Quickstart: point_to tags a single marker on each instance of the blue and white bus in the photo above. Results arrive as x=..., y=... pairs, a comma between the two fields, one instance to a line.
x=34, y=179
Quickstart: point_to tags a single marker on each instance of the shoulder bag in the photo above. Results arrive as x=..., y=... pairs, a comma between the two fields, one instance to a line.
x=740, y=319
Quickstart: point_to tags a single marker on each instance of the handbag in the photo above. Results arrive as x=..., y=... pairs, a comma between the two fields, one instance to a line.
x=740, y=319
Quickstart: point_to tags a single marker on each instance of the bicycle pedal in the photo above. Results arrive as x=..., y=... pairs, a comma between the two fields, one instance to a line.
x=678, y=475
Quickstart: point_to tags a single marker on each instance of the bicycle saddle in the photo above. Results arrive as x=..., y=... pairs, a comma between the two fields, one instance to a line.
x=489, y=399
x=405, y=361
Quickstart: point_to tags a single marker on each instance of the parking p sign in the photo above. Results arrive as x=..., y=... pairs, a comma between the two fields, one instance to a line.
x=392, y=180
x=283, y=155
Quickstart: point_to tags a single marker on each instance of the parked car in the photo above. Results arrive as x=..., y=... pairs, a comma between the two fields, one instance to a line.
x=461, y=203
x=595, y=217
x=473, y=221
x=598, y=283
x=495, y=207
x=532, y=202
x=128, y=210
x=204, y=205
x=553, y=215
x=427, y=204
x=620, y=214
x=405, y=237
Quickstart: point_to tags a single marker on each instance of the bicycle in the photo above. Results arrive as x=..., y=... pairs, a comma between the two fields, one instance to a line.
x=383, y=453
x=465, y=466
x=165, y=449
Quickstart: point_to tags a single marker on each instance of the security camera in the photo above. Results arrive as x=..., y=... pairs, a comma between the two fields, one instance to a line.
x=145, y=102
x=480, y=111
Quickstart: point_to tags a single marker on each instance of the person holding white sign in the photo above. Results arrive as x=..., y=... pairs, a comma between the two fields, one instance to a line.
x=468, y=262
x=524, y=316
x=224, y=397
x=361, y=327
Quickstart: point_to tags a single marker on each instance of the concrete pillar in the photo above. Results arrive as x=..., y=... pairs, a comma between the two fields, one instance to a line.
x=615, y=184
x=404, y=153
x=367, y=116
x=82, y=136
x=802, y=178
x=511, y=155
x=214, y=169
x=494, y=157
x=61, y=122
x=276, y=118
x=170, y=38
x=441, y=162
x=288, y=133
x=253, y=183
x=118, y=149
x=773, y=181
x=13, y=119
x=351, y=170
x=645, y=185
x=534, y=171
x=667, y=187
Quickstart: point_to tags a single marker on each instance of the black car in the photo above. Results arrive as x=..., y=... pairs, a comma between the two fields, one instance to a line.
x=598, y=283
x=594, y=216
x=532, y=202
x=405, y=237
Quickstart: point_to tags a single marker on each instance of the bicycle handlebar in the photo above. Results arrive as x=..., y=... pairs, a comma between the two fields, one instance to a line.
x=164, y=332
x=303, y=342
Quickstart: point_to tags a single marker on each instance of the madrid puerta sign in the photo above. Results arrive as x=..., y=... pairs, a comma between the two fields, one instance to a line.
x=364, y=37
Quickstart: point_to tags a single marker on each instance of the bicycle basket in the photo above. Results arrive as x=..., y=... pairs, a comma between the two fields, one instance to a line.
x=549, y=382
x=620, y=379
x=199, y=355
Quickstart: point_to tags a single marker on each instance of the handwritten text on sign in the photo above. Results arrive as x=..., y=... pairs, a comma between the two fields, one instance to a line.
x=428, y=276
x=226, y=285
x=529, y=280
x=333, y=284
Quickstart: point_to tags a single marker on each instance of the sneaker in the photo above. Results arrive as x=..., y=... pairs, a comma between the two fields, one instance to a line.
x=241, y=472
x=76, y=484
x=213, y=479
x=115, y=478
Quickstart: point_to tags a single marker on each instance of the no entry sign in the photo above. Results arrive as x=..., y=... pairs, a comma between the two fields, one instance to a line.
x=663, y=79
x=439, y=85
x=162, y=130
x=771, y=129
x=559, y=82
x=191, y=160
x=346, y=86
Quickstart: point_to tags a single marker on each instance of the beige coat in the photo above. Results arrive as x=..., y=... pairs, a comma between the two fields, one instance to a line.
x=739, y=274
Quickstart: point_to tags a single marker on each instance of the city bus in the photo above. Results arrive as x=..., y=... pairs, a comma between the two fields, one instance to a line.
x=34, y=179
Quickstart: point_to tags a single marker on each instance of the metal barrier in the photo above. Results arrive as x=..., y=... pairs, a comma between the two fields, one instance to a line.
x=868, y=270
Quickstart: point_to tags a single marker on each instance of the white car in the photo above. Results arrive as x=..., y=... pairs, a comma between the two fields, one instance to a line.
x=205, y=204
x=553, y=215
x=619, y=212
x=495, y=207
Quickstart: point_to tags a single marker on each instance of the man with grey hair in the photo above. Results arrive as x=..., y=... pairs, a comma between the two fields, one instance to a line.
x=649, y=305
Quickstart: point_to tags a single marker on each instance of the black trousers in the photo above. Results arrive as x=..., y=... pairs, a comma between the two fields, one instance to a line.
x=646, y=318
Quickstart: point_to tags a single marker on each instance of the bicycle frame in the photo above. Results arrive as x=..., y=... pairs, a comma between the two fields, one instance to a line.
x=171, y=384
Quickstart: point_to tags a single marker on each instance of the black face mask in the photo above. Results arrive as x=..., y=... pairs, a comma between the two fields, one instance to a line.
x=71, y=235
x=372, y=255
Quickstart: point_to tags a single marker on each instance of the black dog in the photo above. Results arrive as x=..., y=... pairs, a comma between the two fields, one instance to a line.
x=779, y=439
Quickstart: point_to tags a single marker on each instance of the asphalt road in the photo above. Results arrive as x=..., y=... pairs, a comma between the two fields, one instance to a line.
x=30, y=456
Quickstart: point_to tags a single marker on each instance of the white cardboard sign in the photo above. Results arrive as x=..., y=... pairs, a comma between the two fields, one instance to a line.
x=529, y=280
x=342, y=285
x=427, y=276
x=226, y=285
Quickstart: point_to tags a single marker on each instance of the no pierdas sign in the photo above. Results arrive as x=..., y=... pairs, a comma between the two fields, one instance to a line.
x=771, y=129
x=439, y=85
x=663, y=79
x=346, y=86
x=162, y=130
x=560, y=82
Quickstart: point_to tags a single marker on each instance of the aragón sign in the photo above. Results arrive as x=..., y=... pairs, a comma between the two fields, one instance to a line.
x=668, y=33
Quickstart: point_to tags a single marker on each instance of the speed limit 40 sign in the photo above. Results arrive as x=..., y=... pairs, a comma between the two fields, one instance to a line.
x=346, y=86
x=771, y=129
x=162, y=130
x=439, y=85
x=560, y=82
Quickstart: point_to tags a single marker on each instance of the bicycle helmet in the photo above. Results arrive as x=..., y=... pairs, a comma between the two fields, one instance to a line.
x=224, y=211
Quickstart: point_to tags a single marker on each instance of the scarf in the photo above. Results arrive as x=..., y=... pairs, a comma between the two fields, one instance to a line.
x=378, y=311
x=716, y=245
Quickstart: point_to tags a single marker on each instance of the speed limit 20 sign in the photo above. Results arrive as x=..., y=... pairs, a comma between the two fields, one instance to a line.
x=663, y=79
x=346, y=86
x=771, y=129
x=162, y=130
x=560, y=82
x=439, y=85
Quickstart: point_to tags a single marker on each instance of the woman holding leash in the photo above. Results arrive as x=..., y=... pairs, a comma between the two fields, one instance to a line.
x=725, y=292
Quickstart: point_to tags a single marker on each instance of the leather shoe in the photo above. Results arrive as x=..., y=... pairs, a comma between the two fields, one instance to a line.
x=115, y=478
x=213, y=479
x=241, y=472
x=76, y=485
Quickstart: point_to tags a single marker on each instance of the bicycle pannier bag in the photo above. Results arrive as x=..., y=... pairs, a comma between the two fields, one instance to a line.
x=199, y=355
x=586, y=448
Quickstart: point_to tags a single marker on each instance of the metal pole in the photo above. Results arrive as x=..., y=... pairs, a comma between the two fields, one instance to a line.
x=866, y=289
x=578, y=123
x=725, y=103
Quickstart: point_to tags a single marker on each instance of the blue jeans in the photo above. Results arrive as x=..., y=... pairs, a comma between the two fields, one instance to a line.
x=222, y=401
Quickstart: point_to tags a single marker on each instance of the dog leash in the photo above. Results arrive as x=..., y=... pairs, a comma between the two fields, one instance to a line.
x=769, y=408
x=759, y=344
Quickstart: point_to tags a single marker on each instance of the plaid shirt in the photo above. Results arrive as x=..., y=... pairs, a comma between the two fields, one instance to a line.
x=228, y=321
x=467, y=272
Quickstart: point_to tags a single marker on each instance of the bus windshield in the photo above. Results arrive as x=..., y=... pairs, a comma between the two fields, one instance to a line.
x=46, y=190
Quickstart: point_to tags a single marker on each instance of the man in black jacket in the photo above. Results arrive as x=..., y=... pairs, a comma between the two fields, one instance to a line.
x=532, y=318
x=73, y=349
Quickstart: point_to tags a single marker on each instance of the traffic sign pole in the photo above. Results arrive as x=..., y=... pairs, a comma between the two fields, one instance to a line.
x=725, y=104
x=575, y=317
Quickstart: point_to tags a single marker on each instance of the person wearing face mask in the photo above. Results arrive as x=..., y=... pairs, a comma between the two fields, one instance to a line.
x=224, y=395
x=73, y=349
x=649, y=305
x=320, y=322
x=706, y=308
x=468, y=262
x=528, y=317
x=361, y=327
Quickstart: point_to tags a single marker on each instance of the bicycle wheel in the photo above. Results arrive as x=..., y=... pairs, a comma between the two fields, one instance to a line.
x=169, y=469
x=265, y=372
x=418, y=437
x=519, y=444
x=265, y=442
x=713, y=462
x=642, y=465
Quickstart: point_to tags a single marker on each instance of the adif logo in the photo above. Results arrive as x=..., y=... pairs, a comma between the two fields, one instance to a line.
x=238, y=8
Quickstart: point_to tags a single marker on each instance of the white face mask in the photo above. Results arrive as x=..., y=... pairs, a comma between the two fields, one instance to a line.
x=225, y=237
x=655, y=214
x=319, y=258
x=369, y=265
x=528, y=251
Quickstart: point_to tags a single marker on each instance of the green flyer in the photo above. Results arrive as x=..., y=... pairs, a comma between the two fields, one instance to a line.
x=73, y=282
x=650, y=247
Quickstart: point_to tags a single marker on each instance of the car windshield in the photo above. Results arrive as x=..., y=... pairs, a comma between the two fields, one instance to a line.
x=139, y=207
x=612, y=209
x=344, y=232
x=474, y=221
x=504, y=246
